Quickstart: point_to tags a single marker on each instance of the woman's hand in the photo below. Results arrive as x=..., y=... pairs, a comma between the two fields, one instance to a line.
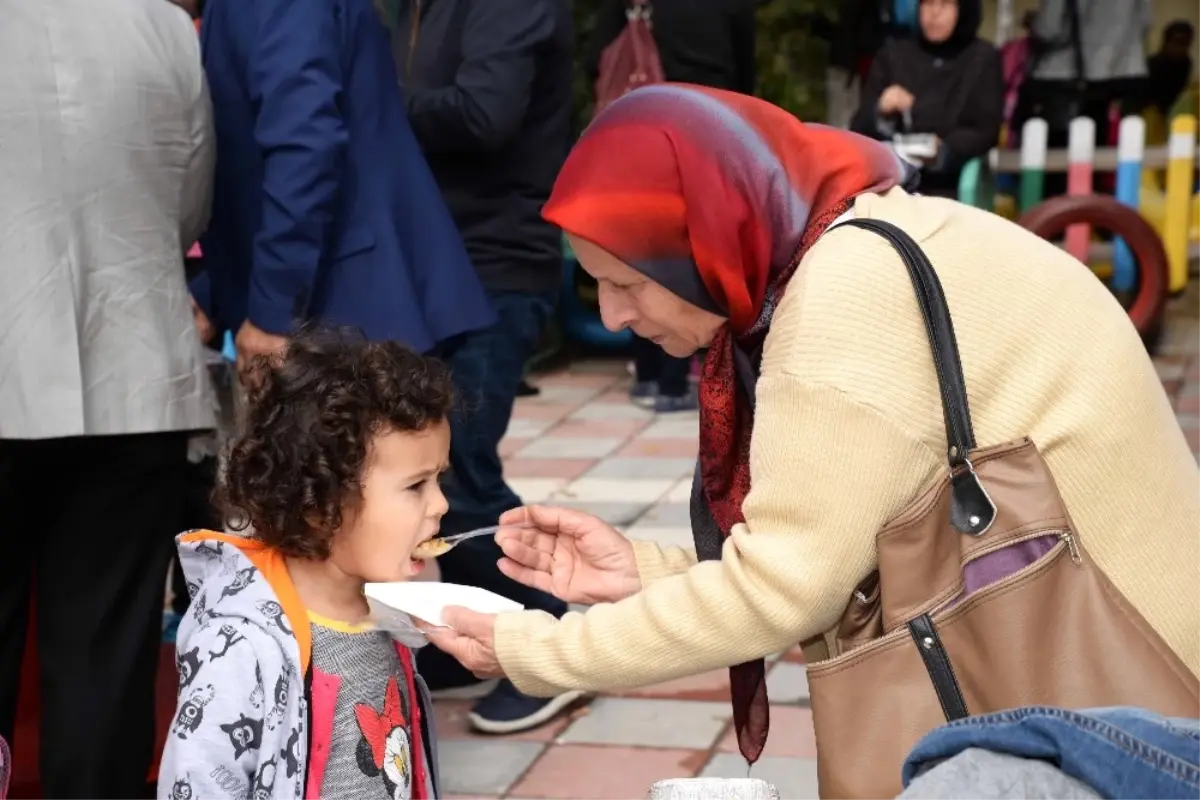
x=572, y=555
x=470, y=637
x=895, y=100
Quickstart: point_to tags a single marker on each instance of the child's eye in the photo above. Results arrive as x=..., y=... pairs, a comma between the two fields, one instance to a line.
x=418, y=486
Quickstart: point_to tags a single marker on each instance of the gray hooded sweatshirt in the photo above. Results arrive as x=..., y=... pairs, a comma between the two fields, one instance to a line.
x=241, y=728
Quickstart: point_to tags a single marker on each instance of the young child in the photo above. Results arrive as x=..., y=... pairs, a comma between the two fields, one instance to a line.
x=285, y=691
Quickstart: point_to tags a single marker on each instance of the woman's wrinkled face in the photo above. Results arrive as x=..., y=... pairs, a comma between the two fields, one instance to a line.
x=938, y=19
x=628, y=299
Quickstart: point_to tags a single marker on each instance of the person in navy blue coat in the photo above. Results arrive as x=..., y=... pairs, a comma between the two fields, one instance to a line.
x=323, y=205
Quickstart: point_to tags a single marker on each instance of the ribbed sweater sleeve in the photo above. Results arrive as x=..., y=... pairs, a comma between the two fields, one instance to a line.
x=655, y=562
x=815, y=505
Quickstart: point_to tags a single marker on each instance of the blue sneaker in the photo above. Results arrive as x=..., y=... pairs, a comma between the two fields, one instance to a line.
x=506, y=710
x=644, y=393
x=670, y=404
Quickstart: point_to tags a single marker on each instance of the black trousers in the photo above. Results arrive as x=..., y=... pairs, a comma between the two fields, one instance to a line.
x=197, y=512
x=88, y=525
x=653, y=364
x=487, y=366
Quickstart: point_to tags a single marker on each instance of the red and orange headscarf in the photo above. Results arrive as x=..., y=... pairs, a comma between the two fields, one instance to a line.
x=717, y=196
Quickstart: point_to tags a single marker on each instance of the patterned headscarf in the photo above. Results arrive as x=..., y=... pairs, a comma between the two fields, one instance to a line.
x=716, y=196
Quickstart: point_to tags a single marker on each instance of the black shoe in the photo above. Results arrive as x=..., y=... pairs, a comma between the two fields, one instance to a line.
x=506, y=710
x=526, y=389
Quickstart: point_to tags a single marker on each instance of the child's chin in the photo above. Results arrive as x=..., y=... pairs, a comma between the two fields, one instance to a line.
x=405, y=572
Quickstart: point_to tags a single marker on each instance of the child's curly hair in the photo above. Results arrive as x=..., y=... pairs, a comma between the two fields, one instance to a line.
x=310, y=416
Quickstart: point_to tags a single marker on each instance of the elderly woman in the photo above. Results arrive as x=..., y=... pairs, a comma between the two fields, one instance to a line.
x=705, y=218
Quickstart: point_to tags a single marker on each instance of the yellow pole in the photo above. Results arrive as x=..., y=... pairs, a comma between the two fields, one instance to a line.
x=1181, y=157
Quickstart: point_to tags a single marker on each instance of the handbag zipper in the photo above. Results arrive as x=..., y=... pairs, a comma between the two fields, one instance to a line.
x=1063, y=534
x=1067, y=542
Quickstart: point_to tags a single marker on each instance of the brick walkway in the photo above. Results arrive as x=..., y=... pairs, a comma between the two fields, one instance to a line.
x=580, y=443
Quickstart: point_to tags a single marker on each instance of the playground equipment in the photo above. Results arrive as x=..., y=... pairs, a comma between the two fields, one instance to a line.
x=1169, y=209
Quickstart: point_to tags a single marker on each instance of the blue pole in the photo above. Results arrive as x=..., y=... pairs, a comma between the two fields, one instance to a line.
x=1131, y=145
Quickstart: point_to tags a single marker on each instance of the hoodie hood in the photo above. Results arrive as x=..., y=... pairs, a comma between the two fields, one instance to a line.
x=241, y=579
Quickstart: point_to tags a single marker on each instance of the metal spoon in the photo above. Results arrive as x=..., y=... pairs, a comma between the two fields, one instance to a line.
x=440, y=545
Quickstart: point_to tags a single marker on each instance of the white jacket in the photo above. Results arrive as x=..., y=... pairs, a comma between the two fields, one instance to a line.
x=106, y=158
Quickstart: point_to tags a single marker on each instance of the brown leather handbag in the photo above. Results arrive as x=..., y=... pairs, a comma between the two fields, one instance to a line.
x=984, y=599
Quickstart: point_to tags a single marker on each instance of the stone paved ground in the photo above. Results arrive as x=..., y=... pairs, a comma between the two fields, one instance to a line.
x=582, y=444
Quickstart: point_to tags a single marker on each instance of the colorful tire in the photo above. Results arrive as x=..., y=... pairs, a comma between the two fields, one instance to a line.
x=1052, y=217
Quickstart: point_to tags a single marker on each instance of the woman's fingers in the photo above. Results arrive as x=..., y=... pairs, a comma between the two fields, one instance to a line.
x=535, y=578
x=529, y=537
x=560, y=521
x=529, y=554
x=515, y=516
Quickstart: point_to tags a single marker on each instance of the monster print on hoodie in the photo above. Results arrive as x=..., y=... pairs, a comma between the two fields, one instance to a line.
x=243, y=651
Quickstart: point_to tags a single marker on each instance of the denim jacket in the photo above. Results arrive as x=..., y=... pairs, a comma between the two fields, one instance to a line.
x=1119, y=752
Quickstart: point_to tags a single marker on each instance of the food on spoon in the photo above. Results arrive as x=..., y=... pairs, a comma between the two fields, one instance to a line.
x=431, y=548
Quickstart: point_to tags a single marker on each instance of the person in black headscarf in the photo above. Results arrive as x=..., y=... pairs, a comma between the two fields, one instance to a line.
x=1171, y=67
x=944, y=81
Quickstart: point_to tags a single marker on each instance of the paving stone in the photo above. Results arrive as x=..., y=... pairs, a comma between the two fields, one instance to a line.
x=582, y=374
x=787, y=682
x=681, y=492
x=795, y=778
x=791, y=734
x=598, y=428
x=643, y=467
x=564, y=447
x=615, y=490
x=565, y=468
x=573, y=396
x=522, y=428
x=682, y=724
x=677, y=426
x=535, y=490
x=511, y=445
x=573, y=772
x=597, y=409
x=677, y=448
x=619, y=515
x=1170, y=368
x=452, y=723
x=668, y=515
x=482, y=766
x=527, y=409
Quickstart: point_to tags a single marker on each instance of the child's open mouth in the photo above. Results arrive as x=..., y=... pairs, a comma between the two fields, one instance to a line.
x=431, y=548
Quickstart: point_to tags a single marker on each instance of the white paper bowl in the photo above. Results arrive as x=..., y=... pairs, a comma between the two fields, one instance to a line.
x=426, y=600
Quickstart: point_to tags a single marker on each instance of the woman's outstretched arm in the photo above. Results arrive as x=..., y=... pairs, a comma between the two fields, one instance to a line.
x=655, y=561
x=828, y=472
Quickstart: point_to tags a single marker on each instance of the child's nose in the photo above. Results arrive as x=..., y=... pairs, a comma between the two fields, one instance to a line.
x=440, y=505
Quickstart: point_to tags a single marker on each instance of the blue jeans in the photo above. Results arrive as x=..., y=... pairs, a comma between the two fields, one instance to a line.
x=487, y=367
x=1118, y=752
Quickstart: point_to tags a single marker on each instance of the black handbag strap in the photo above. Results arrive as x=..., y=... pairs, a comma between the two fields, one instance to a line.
x=972, y=510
